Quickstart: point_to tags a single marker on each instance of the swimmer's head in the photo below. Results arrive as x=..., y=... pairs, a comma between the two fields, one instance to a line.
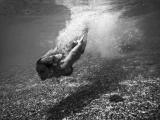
x=46, y=67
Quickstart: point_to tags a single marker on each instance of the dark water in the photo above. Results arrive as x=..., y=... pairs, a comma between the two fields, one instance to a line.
x=24, y=38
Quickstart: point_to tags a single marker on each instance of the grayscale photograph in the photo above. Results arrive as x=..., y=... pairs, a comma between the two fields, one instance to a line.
x=79, y=59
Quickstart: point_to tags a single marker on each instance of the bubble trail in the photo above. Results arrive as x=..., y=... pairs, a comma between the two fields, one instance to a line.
x=107, y=29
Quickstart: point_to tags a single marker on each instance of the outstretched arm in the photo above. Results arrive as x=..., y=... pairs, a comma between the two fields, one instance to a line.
x=75, y=53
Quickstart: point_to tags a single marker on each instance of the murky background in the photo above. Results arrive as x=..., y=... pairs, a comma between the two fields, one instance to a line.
x=24, y=38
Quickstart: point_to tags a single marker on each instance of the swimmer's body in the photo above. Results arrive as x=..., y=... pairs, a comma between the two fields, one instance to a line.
x=58, y=64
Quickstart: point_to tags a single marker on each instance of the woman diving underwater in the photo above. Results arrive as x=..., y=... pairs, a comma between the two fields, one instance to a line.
x=56, y=63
